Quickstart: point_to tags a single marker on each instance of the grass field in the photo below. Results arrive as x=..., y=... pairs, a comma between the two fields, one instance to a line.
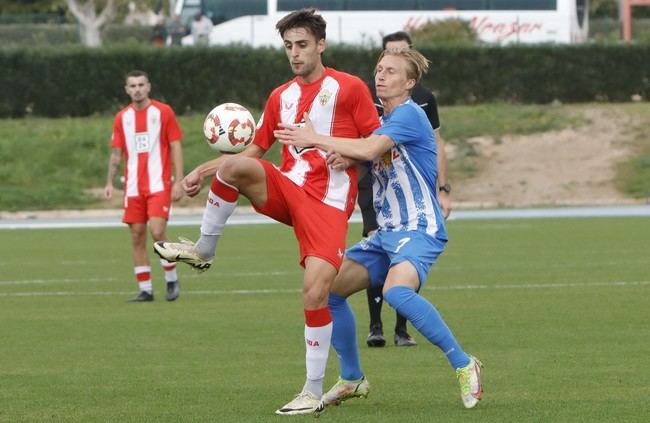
x=557, y=309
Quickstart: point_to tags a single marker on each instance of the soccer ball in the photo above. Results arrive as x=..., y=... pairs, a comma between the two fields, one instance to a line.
x=229, y=128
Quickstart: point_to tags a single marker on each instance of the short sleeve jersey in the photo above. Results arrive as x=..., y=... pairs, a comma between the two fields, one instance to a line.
x=339, y=105
x=144, y=136
x=404, y=186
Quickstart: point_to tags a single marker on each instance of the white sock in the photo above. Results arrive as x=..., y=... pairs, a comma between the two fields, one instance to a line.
x=216, y=213
x=317, y=343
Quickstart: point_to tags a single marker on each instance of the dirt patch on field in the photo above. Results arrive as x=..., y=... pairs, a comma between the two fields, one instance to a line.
x=565, y=167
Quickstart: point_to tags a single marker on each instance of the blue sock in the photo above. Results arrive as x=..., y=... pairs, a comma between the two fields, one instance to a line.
x=344, y=337
x=426, y=319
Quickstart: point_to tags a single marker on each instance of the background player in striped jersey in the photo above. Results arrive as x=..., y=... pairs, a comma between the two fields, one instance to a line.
x=304, y=192
x=147, y=134
x=411, y=232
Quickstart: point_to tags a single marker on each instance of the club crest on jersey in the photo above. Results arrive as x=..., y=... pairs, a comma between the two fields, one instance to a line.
x=389, y=156
x=324, y=97
x=387, y=159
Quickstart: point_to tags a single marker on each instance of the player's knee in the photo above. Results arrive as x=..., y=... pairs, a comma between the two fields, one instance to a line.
x=398, y=295
x=139, y=241
x=138, y=234
x=315, y=296
x=158, y=234
x=231, y=169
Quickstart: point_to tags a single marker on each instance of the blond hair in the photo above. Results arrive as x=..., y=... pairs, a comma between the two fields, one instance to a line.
x=416, y=64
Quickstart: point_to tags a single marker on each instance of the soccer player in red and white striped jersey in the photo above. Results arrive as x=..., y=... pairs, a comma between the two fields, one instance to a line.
x=303, y=192
x=147, y=134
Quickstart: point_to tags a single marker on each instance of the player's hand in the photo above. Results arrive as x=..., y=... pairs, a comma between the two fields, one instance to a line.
x=108, y=191
x=192, y=183
x=301, y=135
x=337, y=162
x=444, y=198
x=177, y=191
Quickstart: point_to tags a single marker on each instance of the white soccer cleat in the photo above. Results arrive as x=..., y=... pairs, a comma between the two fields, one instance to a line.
x=344, y=390
x=304, y=403
x=184, y=252
x=469, y=378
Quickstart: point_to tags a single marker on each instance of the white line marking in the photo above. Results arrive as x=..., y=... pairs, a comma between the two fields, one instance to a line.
x=253, y=218
x=112, y=279
x=540, y=285
x=295, y=291
x=48, y=281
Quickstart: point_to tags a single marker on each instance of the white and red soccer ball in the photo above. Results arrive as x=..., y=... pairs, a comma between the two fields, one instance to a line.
x=229, y=128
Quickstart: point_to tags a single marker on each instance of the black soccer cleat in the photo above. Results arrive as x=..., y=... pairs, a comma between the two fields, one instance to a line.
x=376, y=337
x=403, y=339
x=142, y=297
x=173, y=290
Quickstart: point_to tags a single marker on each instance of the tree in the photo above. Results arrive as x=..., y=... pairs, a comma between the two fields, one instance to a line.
x=91, y=23
x=604, y=8
x=447, y=32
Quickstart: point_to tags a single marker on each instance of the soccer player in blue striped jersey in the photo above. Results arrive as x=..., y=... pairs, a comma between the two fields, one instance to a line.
x=411, y=232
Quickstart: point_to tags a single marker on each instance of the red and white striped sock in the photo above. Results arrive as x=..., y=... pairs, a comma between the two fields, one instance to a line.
x=143, y=276
x=318, y=337
x=170, y=270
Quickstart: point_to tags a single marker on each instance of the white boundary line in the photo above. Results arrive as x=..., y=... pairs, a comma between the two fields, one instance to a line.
x=559, y=285
x=254, y=218
x=112, y=279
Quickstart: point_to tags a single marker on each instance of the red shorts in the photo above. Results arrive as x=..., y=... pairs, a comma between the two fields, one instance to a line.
x=320, y=229
x=140, y=209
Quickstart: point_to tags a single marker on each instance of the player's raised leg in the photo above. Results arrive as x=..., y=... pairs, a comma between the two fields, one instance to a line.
x=236, y=174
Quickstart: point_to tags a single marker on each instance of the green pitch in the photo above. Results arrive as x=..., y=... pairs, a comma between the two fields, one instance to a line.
x=557, y=310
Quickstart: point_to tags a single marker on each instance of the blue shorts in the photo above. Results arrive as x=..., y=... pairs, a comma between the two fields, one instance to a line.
x=386, y=249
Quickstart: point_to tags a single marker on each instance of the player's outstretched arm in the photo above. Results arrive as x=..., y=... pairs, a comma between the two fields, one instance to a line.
x=354, y=148
x=193, y=181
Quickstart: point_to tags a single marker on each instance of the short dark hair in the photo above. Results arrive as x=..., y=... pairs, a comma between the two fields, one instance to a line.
x=303, y=18
x=136, y=73
x=396, y=36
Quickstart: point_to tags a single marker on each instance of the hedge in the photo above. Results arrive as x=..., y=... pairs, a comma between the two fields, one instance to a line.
x=76, y=81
